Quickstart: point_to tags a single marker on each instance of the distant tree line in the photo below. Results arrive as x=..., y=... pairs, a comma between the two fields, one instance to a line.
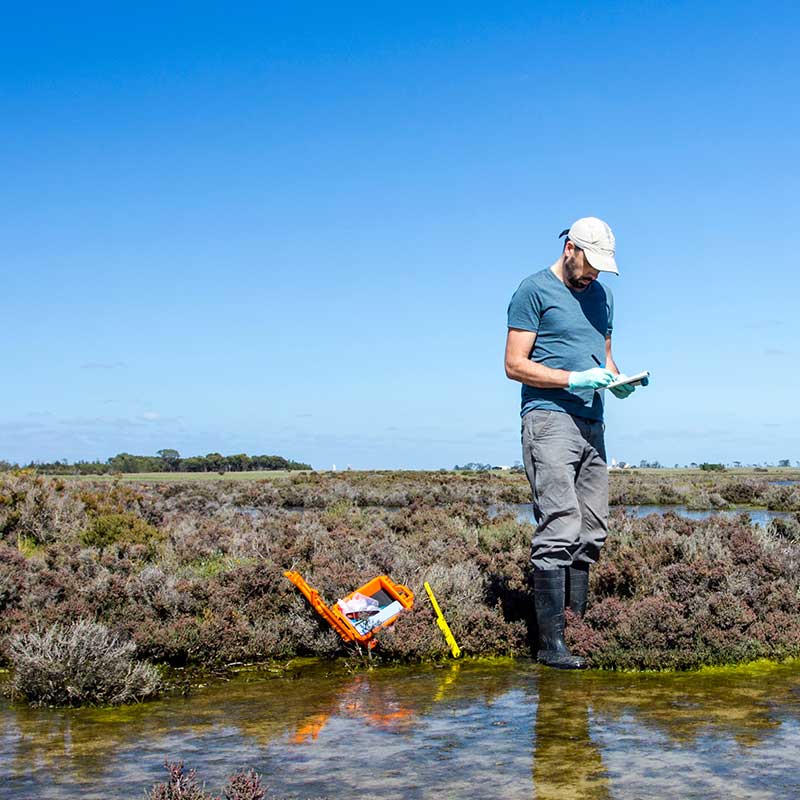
x=165, y=461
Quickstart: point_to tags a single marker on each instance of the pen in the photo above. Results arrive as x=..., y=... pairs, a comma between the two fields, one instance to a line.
x=597, y=361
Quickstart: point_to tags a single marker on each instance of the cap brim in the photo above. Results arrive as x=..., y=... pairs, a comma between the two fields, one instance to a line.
x=602, y=262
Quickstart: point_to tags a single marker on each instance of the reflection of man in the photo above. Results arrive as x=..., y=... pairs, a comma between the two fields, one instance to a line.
x=566, y=761
x=559, y=347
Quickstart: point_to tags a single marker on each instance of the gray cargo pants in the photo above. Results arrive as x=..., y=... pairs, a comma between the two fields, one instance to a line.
x=565, y=460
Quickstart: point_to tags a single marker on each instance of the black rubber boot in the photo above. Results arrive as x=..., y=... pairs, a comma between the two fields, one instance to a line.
x=549, y=595
x=578, y=588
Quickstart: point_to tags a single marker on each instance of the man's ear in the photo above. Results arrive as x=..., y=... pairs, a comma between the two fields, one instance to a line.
x=569, y=248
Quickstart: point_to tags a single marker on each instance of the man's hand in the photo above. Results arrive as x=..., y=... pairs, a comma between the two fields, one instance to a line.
x=594, y=378
x=628, y=389
x=622, y=391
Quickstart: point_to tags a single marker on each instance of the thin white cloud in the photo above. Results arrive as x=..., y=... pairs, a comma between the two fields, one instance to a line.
x=97, y=437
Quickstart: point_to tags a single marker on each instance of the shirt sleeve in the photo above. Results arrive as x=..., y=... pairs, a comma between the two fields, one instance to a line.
x=525, y=308
x=610, y=309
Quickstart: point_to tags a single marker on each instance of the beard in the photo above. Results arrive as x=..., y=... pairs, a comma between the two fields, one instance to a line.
x=573, y=277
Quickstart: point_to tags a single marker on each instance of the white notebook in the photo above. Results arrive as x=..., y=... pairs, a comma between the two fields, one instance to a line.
x=634, y=380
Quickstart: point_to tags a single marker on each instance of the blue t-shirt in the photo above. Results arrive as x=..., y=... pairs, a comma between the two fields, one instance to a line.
x=570, y=328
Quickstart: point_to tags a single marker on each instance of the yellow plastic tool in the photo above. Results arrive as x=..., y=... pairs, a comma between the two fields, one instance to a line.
x=442, y=623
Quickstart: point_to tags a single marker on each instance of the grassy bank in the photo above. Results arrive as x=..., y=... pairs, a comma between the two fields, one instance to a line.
x=183, y=477
x=192, y=572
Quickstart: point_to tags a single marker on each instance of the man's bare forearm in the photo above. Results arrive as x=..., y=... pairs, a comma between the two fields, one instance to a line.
x=610, y=363
x=538, y=375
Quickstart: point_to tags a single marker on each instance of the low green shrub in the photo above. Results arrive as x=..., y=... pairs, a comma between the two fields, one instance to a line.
x=123, y=528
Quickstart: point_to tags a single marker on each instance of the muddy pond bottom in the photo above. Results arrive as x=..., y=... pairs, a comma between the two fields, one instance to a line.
x=473, y=729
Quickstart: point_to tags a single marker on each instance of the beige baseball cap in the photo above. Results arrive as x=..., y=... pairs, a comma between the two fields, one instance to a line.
x=595, y=238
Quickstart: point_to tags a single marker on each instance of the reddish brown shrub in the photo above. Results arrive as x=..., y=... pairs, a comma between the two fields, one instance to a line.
x=668, y=592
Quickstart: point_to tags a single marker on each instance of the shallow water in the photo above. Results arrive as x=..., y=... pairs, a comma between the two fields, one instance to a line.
x=758, y=516
x=478, y=729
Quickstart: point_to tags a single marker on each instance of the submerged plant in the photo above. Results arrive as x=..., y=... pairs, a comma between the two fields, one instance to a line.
x=183, y=785
x=244, y=786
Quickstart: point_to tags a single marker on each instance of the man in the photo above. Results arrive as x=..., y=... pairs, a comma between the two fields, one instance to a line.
x=559, y=347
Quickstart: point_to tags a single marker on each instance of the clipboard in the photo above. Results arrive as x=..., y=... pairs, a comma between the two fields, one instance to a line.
x=633, y=380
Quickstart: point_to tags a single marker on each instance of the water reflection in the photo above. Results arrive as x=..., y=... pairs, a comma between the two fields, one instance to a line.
x=730, y=733
x=431, y=732
x=567, y=763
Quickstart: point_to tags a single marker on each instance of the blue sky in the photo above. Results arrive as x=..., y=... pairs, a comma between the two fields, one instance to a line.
x=295, y=228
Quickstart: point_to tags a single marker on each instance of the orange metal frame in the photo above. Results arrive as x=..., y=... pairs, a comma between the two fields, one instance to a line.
x=338, y=621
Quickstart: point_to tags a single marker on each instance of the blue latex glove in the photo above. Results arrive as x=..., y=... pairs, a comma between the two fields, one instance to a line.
x=594, y=378
x=626, y=391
